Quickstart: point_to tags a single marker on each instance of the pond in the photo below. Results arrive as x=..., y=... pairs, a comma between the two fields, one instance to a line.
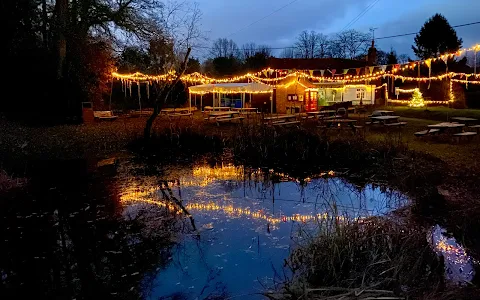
x=246, y=224
x=182, y=231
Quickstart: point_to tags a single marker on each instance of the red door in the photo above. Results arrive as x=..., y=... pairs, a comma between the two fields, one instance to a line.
x=311, y=101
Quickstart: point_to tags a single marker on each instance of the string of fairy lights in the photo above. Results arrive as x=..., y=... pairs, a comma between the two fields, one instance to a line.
x=281, y=74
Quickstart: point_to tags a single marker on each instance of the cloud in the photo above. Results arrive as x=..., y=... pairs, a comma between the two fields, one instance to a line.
x=222, y=18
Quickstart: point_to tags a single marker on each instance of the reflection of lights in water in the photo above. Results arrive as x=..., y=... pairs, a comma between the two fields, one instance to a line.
x=203, y=176
x=232, y=211
x=459, y=266
x=223, y=172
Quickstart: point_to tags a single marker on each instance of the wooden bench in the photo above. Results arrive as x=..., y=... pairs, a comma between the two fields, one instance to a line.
x=476, y=127
x=286, y=123
x=467, y=135
x=399, y=124
x=426, y=132
x=179, y=115
x=308, y=117
x=228, y=119
x=104, y=115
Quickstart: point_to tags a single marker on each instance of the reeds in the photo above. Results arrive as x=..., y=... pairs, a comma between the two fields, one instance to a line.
x=375, y=258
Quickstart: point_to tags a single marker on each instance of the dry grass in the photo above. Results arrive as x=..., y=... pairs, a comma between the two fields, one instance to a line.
x=377, y=258
x=8, y=182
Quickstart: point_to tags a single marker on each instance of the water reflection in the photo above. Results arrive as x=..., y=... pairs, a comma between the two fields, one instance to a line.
x=459, y=267
x=65, y=236
x=247, y=220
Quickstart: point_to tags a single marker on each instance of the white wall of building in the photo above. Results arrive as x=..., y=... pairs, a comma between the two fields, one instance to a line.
x=364, y=92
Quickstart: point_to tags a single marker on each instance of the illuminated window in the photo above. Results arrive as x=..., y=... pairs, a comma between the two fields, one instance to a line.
x=360, y=94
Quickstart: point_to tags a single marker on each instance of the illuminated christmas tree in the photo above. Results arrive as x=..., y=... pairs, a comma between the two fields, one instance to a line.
x=417, y=99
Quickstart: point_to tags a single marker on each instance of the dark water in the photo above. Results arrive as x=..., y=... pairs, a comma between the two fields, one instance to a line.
x=175, y=232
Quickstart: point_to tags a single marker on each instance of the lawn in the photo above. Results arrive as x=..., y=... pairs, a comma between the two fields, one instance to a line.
x=436, y=113
x=463, y=156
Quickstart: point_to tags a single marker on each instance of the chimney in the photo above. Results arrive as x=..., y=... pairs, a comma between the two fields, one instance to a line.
x=372, y=55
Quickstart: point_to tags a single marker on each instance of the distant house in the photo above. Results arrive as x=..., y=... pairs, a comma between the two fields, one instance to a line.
x=301, y=94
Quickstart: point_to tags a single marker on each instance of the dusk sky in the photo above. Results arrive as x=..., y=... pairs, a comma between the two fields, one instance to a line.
x=223, y=18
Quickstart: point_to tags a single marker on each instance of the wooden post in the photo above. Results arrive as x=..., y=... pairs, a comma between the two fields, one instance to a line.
x=271, y=102
x=190, y=101
x=201, y=102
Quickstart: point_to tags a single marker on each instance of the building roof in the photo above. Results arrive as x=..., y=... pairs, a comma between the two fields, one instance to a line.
x=231, y=88
x=315, y=63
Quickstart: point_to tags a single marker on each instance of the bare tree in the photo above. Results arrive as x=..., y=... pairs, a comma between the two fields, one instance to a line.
x=311, y=45
x=173, y=47
x=251, y=49
x=350, y=44
x=224, y=48
x=248, y=50
x=306, y=44
x=336, y=49
x=322, y=46
x=288, y=53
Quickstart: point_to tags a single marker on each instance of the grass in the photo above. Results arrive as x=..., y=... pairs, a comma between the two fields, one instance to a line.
x=436, y=113
x=375, y=258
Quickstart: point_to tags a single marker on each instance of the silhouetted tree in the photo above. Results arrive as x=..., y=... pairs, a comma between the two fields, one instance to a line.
x=288, y=53
x=381, y=57
x=224, y=48
x=193, y=66
x=350, y=44
x=436, y=37
x=133, y=59
x=311, y=45
x=392, y=57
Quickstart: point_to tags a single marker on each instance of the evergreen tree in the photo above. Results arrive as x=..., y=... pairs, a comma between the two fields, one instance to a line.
x=392, y=58
x=417, y=99
x=435, y=38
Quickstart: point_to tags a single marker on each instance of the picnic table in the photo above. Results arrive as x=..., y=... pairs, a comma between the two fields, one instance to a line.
x=324, y=114
x=207, y=109
x=467, y=121
x=224, y=116
x=444, y=126
x=248, y=111
x=281, y=120
x=176, y=112
x=339, y=123
x=453, y=129
x=379, y=113
x=328, y=112
x=388, y=121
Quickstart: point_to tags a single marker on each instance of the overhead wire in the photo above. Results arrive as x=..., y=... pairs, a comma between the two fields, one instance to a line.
x=379, y=38
x=367, y=9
